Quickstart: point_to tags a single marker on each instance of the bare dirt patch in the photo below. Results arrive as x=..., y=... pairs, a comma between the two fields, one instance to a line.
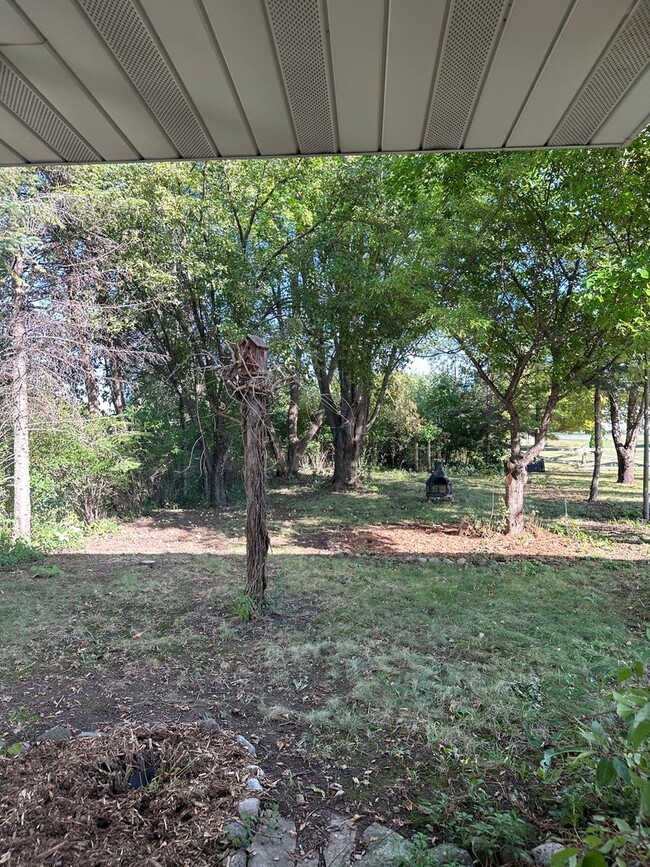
x=173, y=531
x=87, y=801
x=439, y=540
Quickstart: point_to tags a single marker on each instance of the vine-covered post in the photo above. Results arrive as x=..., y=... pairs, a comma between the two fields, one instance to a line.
x=249, y=382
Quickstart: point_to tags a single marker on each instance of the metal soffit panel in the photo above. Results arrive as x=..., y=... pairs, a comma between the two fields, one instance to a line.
x=124, y=80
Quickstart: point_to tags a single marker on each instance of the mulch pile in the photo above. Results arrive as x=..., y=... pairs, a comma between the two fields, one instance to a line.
x=439, y=540
x=154, y=797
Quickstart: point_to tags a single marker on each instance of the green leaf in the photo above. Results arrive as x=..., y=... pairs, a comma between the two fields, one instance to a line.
x=622, y=769
x=638, y=732
x=594, y=859
x=605, y=773
x=644, y=803
x=564, y=856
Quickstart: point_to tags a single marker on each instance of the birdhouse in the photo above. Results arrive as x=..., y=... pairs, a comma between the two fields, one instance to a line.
x=253, y=353
x=439, y=487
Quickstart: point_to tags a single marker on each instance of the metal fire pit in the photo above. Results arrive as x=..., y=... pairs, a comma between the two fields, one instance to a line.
x=439, y=487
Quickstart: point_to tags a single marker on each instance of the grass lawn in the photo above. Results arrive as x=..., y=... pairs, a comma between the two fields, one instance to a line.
x=418, y=692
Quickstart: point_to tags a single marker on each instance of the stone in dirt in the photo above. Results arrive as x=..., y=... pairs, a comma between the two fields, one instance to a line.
x=255, y=769
x=341, y=842
x=247, y=745
x=209, y=725
x=238, y=859
x=254, y=785
x=238, y=834
x=542, y=854
x=274, y=843
x=461, y=561
x=447, y=853
x=250, y=808
x=56, y=733
x=386, y=848
x=448, y=562
x=90, y=734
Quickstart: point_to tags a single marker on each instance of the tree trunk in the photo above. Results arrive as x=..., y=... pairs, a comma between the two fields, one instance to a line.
x=254, y=411
x=90, y=382
x=217, y=467
x=625, y=445
x=22, y=528
x=625, y=463
x=347, y=452
x=515, y=483
x=292, y=425
x=428, y=456
x=281, y=466
x=416, y=457
x=115, y=383
x=598, y=446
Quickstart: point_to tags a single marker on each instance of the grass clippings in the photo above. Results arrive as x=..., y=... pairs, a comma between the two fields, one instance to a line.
x=73, y=802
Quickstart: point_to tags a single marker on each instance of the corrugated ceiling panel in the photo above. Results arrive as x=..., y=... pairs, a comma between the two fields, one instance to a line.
x=39, y=66
x=299, y=37
x=247, y=47
x=14, y=29
x=414, y=31
x=357, y=40
x=625, y=59
x=183, y=33
x=528, y=36
x=126, y=34
x=22, y=140
x=8, y=157
x=72, y=37
x=624, y=120
x=28, y=106
x=472, y=31
x=584, y=36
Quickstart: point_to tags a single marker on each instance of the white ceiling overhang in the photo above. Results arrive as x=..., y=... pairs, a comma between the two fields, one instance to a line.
x=114, y=80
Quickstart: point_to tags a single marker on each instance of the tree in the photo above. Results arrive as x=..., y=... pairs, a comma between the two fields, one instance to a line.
x=362, y=312
x=511, y=254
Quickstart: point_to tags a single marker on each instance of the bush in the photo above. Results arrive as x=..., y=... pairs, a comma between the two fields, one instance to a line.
x=616, y=763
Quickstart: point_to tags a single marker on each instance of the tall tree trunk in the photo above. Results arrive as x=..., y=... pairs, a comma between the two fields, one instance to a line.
x=113, y=374
x=416, y=457
x=281, y=466
x=347, y=453
x=516, y=479
x=90, y=381
x=22, y=527
x=428, y=456
x=292, y=424
x=598, y=446
x=516, y=472
x=219, y=460
x=625, y=444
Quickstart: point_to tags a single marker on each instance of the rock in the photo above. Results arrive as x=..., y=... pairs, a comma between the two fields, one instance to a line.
x=238, y=834
x=57, y=733
x=300, y=800
x=448, y=562
x=461, y=561
x=209, y=725
x=238, y=859
x=386, y=848
x=254, y=785
x=247, y=745
x=255, y=769
x=274, y=843
x=90, y=734
x=447, y=853
x=250, y=808
x=542, y=854
x=341, y=842
x=422, y=560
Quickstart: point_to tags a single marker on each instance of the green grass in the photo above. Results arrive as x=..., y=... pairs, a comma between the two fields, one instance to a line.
x=393, y=681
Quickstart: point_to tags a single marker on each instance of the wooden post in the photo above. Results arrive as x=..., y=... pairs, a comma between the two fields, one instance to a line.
x=251, y=388
x=646, y=440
